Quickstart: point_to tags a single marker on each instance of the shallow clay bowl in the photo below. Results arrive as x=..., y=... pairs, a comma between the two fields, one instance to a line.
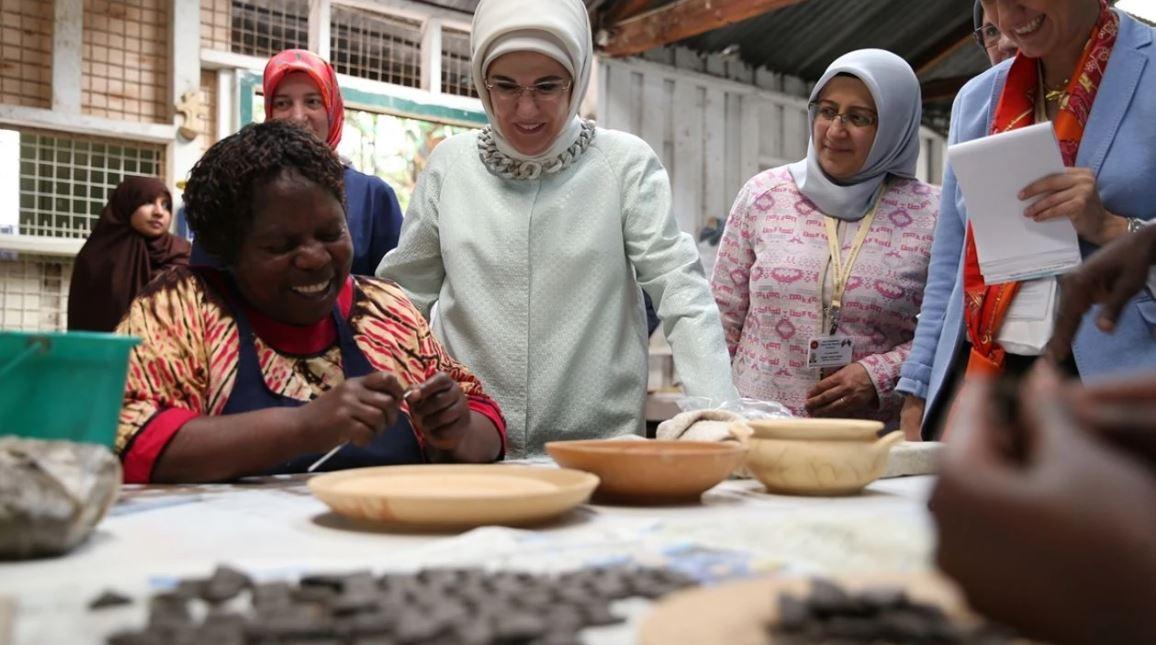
x=650, y=472
x=453, y=496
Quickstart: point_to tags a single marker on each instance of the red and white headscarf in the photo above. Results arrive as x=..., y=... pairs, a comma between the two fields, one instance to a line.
x=301, y=60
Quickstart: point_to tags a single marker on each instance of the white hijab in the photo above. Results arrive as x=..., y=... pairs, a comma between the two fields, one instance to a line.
x=898, y=102
x=559, y=29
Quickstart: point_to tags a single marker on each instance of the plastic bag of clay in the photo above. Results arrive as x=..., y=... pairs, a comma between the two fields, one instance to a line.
x=52, y=494
x=744, y=407
x=703, y=419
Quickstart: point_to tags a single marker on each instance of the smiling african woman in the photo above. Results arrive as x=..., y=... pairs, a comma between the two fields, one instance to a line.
x=259, y=368
x=820, y=270
x=130, y=245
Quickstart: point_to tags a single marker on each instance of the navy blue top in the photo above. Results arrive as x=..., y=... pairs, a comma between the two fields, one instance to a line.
x=652, y=321
x=372, y=213
x=374, y=218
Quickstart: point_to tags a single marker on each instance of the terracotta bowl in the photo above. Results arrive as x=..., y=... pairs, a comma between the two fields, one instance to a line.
x=650, y=472
x=815, y=456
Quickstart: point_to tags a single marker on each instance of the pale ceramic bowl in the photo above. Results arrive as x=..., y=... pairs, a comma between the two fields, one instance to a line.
x=815, y=456
x=652, y=471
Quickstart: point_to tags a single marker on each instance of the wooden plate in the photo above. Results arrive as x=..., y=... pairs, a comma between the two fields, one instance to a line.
x=650, y=472
x=453, y=496
x=740, y=613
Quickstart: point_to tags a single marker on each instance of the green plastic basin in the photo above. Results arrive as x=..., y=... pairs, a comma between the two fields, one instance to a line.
x=66, y=386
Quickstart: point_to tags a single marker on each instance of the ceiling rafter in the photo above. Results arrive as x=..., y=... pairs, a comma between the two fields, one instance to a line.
x=957, y=38
x=623, y=9
x=677, y=21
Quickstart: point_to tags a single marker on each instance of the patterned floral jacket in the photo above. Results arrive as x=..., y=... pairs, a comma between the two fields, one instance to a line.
x=766, y=282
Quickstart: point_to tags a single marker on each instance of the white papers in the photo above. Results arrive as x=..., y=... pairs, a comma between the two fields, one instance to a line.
x=1033, y=300
x=1031, y=318
x=991, y=172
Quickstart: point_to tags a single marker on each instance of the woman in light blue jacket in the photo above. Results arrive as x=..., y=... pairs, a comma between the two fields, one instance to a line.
x=1108, y=191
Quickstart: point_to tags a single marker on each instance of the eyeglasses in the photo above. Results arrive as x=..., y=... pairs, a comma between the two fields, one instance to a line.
x=986, y=36
x=541, y=92
x=854, y=117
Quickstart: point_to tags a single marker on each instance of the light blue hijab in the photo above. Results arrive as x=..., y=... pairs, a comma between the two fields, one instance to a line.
x=898, y=101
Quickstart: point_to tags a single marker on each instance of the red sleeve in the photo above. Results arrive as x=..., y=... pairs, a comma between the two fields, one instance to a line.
x=486, y=407
x=147, y=445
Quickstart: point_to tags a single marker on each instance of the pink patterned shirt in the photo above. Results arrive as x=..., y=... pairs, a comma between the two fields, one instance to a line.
x=766, y=283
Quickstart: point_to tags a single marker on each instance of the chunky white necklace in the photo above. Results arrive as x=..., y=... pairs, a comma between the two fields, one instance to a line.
x=508, y=167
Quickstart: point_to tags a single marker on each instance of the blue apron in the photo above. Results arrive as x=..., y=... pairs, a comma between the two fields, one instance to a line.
x=396, y=445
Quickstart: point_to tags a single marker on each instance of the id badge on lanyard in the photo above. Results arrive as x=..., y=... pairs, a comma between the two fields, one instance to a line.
x=834, y=349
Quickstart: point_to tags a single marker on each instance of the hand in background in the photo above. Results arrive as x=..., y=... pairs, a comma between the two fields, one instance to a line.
x=911, y=417
x=1059, y=544
x=1073, y=194
x=847, y=392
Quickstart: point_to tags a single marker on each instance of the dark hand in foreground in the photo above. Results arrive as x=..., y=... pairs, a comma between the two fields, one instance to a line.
x=1121, y=411
x=1058, y=542
x=355, y=411
x=1109, y=278
x=847, y=392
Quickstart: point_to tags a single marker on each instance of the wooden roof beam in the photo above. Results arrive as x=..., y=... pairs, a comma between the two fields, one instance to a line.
x=948, y=45
x=677, y=21
x=623, y=9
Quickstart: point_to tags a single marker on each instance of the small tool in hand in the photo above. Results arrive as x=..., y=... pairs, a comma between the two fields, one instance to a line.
x=324, y=458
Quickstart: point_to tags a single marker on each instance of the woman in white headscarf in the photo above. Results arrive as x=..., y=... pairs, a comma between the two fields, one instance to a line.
x=821, y=269
x=535, y=235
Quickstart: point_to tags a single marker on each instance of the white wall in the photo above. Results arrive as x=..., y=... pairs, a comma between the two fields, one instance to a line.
x=9, y=180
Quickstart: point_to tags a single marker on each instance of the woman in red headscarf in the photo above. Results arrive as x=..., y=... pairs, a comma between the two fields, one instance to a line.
x=300, y=87
x=129, y=246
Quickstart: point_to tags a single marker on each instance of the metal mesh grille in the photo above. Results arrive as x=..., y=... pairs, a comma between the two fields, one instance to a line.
x=125, y=68
x=376, y=47
x=209, y=121
x=266, y=27
x=456, y=74
x=65, y=179
x=34, y=293
x=215, y=24
x=26, y=52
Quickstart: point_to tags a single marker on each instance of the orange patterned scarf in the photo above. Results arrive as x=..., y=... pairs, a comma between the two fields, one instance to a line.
x=986, y=306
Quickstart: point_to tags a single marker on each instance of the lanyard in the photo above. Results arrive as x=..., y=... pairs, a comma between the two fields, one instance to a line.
x=841, y=270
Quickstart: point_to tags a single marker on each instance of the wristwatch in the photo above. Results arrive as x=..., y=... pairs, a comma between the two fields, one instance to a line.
x=1135, y=224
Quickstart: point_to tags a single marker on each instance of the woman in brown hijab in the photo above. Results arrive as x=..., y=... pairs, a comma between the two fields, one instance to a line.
x=130, y=245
